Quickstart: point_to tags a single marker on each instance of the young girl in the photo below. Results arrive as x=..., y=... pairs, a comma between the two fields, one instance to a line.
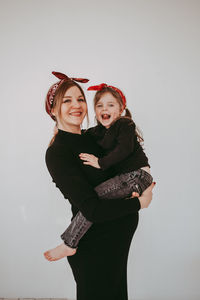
x=123, y=153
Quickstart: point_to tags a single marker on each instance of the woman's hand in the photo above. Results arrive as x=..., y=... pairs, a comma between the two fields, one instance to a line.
x=90, y=159
x=146, y=197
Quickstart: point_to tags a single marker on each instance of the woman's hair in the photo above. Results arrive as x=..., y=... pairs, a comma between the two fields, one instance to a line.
x=117, y=96
x=58, y=100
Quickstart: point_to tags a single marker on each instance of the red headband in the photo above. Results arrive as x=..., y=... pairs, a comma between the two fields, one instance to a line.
x=103, y=85
x=51, y=93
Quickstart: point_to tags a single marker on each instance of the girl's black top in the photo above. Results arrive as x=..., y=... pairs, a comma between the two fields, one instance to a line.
x=76, y=180
x=122, y=151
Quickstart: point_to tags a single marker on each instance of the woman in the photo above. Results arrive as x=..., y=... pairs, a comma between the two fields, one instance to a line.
x=100, y=264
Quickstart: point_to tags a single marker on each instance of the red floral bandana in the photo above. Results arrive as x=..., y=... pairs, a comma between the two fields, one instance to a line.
x=103, y=85
x=51, y=92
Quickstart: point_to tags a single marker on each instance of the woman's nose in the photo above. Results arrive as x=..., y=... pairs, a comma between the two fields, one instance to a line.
x=76, y=104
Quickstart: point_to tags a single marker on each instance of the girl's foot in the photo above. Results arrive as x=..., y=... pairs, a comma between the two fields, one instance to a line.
x=59, y=252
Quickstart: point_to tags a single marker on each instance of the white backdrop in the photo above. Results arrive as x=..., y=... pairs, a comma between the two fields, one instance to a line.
x=148, y=48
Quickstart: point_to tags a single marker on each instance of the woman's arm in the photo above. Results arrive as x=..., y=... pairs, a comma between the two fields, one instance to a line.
x=146, y=197
x=71, y=181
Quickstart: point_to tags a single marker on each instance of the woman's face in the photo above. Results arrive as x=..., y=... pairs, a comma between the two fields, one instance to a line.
x=107, y=109
x=73, y=110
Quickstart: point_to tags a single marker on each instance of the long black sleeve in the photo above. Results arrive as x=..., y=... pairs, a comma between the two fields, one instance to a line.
x=72, y=182
x=124, y=131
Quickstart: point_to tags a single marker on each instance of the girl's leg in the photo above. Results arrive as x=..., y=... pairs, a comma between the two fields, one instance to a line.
x=71, y=237
x=120, y=186
x=117, y=187
x=143, y=181
x=123, y=185
x=78, y=227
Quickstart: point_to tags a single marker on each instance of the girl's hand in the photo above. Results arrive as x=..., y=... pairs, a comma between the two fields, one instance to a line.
x=90, y=159
x=146, y=197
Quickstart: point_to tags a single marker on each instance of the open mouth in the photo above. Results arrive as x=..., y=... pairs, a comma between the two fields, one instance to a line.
x=105, y=116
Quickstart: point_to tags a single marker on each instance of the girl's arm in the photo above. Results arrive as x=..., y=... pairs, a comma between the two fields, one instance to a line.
x=124, y=132
x=125, y=135
x=71, y=181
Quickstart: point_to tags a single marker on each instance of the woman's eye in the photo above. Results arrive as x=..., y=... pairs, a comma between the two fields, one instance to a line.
x=81, y=99
x=66, y=100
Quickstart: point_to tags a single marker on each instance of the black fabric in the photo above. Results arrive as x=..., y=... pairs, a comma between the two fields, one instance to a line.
x=76, y=180
x=122, y=150
x=99, y=269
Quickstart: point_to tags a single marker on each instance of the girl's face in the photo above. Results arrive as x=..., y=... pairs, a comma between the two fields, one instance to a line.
x=73, y=110
x=107, y=109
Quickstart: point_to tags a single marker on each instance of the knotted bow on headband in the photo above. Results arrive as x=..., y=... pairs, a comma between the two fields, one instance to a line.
x=104, y=85
x=62, y=76
x=52, y=91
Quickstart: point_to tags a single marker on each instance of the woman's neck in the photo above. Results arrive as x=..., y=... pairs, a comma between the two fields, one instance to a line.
x=70, y=128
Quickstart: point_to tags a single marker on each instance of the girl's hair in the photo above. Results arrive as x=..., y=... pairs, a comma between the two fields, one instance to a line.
x=117, y=96
x=58, y=100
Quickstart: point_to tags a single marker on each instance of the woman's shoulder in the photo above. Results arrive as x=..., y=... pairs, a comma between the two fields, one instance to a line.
x=59, y=160
x=57, y=151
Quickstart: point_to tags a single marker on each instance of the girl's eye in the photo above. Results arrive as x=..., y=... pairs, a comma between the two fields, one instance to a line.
x=81, y=99
x=66, y=100
x=111, y=105
x=99, y=105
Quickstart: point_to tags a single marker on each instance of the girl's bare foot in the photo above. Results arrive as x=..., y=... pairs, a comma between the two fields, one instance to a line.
x=59, y=252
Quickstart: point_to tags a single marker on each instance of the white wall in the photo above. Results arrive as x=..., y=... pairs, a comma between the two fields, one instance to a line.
x=150, y=49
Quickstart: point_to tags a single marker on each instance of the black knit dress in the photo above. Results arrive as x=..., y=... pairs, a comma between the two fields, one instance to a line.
x=100, y=264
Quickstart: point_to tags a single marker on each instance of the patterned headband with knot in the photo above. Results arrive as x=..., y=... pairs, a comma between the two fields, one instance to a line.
x=52, y=91
x=104, y=85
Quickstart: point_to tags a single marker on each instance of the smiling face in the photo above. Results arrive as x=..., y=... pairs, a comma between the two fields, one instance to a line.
x=73, y=109
x=107, y=109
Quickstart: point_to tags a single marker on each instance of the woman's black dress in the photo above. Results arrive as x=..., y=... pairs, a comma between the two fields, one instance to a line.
x=100, y=264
